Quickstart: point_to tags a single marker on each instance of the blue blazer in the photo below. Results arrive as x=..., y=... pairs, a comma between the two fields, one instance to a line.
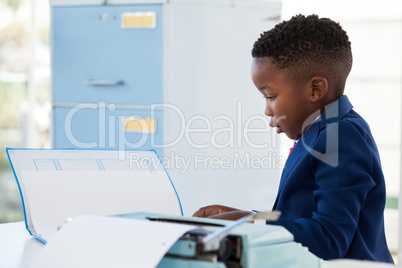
x=332, y=190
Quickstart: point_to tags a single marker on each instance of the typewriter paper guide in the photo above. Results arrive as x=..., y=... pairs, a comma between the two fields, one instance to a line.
x=59, y=184
x=96, y=241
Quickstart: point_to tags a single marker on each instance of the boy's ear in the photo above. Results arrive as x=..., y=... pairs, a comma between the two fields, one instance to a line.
x=319, y=88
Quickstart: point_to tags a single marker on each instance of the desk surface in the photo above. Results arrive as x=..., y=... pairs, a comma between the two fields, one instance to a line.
x=18, y=249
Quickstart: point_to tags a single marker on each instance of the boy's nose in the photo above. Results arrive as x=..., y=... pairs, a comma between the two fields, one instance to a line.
x=268, y=111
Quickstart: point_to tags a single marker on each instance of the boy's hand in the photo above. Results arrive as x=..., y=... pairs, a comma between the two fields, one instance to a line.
x=221, y=212
x=212, y=210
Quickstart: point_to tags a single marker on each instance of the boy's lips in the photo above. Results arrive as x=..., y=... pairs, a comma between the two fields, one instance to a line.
x=278, y=127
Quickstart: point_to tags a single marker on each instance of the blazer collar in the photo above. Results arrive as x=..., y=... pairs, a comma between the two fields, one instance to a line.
x=334, y=112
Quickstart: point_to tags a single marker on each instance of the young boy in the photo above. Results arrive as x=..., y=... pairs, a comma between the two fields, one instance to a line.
x=332, y=190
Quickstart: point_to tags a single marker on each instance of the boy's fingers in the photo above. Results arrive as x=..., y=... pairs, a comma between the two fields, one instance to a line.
x=196, y=213
x=200, y=213
x=211, y=211
x=205, y=212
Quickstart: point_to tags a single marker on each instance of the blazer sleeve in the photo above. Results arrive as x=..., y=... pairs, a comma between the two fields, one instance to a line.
x=340, y=192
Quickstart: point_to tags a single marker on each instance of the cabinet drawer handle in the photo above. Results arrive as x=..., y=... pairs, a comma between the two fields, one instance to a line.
x=91, y=82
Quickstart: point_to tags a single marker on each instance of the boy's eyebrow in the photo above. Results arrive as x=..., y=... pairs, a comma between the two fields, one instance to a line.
x=266, y=87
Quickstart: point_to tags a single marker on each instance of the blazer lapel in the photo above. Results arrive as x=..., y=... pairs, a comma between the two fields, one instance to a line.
x=299, y=151
x=334, y=112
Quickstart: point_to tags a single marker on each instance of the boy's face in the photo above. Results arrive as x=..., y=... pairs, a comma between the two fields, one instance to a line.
x=287, y=104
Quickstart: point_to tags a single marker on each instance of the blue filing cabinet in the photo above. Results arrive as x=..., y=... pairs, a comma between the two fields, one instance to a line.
x=106, y=74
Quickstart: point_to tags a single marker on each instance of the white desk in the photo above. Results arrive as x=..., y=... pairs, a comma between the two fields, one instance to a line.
x=18, y=249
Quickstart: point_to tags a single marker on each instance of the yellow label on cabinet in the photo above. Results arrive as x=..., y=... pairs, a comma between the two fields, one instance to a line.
x=138, y=20
x=140, y=125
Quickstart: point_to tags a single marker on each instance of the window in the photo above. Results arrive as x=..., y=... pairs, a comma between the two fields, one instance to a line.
x=24, y=89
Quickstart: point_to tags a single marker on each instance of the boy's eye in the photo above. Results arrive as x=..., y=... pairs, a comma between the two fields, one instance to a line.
x=270, y=98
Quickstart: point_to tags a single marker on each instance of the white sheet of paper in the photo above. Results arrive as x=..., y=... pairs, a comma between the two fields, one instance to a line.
x=63, y=183
x=55, y=196
x=96, y=241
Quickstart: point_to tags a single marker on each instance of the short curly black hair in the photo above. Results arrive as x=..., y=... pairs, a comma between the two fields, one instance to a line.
x=307, y=46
